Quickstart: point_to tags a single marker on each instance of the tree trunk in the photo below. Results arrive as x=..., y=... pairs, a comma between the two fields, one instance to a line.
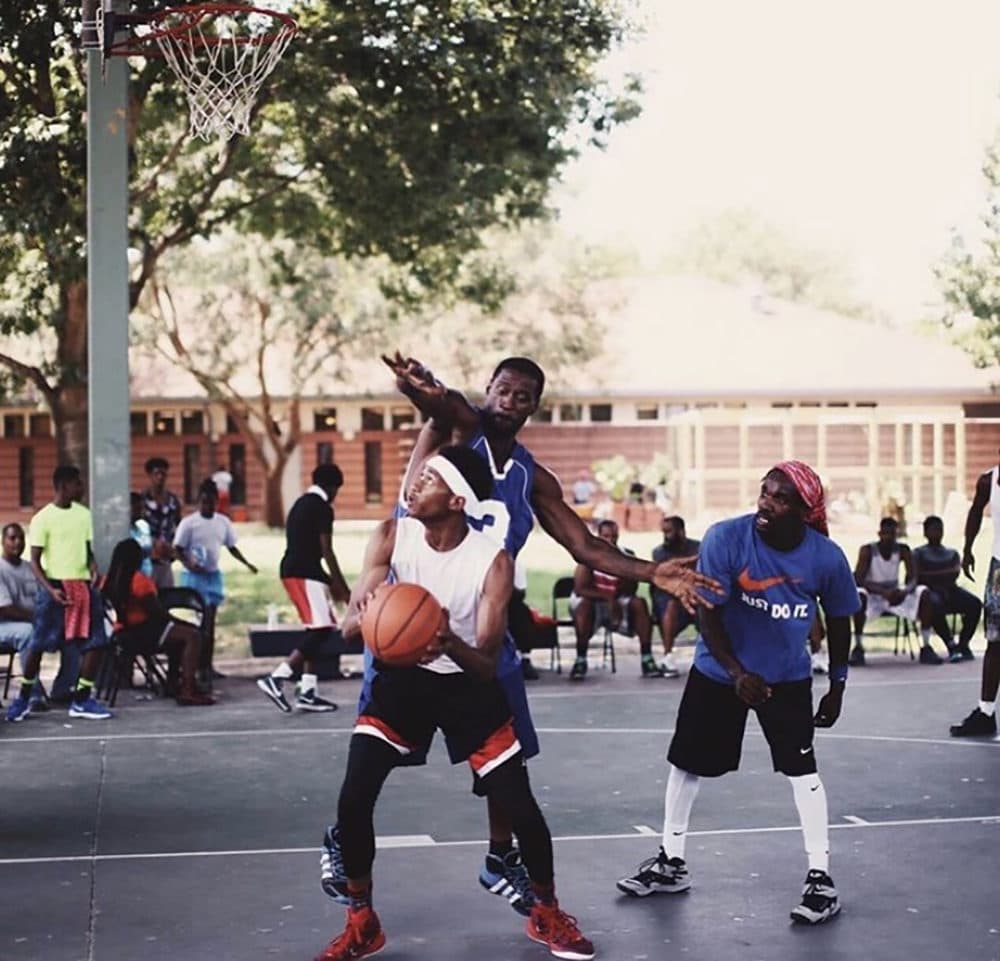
x=69, y=418
x=274, y=504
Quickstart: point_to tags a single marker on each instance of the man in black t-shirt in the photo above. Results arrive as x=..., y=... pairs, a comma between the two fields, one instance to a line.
x=308, y=543
x=938, y=567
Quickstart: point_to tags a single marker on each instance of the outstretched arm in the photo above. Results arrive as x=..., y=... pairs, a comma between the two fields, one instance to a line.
x=339, y=590
x=374, y=571
x=562, y=524
x=974, y=521
x=448, y=407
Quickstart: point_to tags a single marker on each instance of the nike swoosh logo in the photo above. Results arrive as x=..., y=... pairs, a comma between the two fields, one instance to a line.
x=805, y=750
x=749, y=583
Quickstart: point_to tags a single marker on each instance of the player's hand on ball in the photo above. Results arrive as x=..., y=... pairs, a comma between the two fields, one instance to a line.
x=829, y=707
x=437, y=645
x=678, y=577
x=752, y=689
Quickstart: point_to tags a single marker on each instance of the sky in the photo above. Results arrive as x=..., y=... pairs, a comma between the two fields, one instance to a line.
x=859, y=128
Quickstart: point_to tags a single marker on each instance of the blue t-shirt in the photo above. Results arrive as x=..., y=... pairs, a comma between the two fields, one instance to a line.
x=769, y=598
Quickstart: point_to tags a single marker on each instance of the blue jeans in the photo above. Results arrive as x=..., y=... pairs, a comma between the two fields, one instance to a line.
x=18, y=635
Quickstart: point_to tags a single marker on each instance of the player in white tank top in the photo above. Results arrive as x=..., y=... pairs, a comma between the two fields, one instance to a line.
x=454, y=689
x=982, y=722
x=455, y=577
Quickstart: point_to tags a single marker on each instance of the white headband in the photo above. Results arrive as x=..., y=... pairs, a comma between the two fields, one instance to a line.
x=456, y=483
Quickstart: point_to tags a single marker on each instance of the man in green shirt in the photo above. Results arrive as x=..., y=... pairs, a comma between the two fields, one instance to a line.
x=68, y=609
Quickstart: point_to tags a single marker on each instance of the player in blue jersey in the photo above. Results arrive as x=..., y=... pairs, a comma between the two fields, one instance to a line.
x=522, y=490
x=752, y=654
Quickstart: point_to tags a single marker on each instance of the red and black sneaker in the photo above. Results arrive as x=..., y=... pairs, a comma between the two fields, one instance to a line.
x=551, y=926
x=362, y=937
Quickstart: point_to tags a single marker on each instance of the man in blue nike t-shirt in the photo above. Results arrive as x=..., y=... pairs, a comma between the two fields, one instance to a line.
x=753, y=654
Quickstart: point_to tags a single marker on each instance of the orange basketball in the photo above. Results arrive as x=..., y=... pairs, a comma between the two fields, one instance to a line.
x=399, y=622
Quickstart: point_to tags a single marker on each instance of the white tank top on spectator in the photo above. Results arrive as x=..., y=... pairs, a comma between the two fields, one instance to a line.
x=884, y=572
x=455, y=578
x=995, y=509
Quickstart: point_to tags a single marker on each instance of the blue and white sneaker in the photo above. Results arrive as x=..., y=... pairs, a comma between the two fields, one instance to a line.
x=333, y=878
x=508, y=878
x=89, y=709
x=18, y=709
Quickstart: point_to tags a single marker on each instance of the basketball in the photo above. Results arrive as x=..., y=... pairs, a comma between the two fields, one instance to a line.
x=399, y=622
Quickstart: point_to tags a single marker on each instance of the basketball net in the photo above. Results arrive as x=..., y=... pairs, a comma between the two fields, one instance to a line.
x=222, y=68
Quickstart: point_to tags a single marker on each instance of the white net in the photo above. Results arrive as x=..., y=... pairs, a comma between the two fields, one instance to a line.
x=223, y=60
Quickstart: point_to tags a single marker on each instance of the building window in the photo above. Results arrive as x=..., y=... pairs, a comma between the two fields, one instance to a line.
x=647, y=412
x=231, y=426
x=164, y=423
x=403, y=417
x=238, y=468
x=542, y=416
x=192, y=472
x=372, y=418
x=13, y=425
x=570, y=413
x=324, y=453
x=600, y=413
x=40, y=425
x=26, y=476
x=866, y=403
x=138, y=424
x=325, y=418
x=373, y=472
x=192, y=423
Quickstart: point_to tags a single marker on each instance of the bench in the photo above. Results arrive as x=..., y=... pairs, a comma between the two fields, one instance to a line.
x=282, y=640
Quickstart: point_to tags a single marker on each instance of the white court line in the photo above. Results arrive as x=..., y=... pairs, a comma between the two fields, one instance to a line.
x=854, y=819
x=425, y=840
x=335, y=732
x=646, y=830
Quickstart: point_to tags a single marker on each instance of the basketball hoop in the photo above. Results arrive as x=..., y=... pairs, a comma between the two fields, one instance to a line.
x=221, y=52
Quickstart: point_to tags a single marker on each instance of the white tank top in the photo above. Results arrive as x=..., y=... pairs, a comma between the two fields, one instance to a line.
x=995, y=510
x=884, y=572
x=454, y=577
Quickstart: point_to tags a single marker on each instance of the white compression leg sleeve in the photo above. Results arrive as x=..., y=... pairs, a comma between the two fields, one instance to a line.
x=810, y=799
x=682, y=789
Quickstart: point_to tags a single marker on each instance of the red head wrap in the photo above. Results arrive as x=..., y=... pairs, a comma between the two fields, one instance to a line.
x=810, y=489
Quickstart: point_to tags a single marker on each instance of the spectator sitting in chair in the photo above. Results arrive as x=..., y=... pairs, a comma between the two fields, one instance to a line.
x=602, y=600
x=669, y=613
x=938, y=568
x=144, y=627
x=877, y=577
x=18, y=590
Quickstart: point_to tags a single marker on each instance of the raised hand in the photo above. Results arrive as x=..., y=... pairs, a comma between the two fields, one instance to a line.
x=412, y=375
x=678, y=577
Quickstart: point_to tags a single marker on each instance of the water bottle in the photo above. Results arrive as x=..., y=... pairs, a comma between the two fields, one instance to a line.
x=272, y=616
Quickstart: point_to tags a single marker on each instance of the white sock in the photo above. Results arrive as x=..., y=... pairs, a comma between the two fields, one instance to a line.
x=682, y=789
x=283, y=671
x=989, y=708
x=308, y=683
x=810, y=799
x=925, y=636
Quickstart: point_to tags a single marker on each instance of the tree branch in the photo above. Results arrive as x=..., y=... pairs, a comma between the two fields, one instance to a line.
x=31, y=374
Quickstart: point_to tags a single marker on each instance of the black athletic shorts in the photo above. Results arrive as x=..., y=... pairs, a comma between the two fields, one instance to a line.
x=407, y=705
x=708, y=736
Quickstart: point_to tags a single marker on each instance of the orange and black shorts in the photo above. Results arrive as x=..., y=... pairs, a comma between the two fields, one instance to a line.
x=407, y=705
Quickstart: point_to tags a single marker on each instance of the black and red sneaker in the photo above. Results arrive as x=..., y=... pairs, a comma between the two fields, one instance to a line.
x=553, y=927
x=361, y=938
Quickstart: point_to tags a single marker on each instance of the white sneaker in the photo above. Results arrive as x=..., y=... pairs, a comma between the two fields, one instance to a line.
x=669, y=666
x=819, y=663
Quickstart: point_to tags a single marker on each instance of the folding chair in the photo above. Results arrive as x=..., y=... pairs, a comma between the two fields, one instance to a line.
x=9, y=650
x=902, y=644
x=562, y=588
x=608, y=650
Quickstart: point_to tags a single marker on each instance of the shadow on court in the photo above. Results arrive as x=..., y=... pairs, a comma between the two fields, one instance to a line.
x=193, y=833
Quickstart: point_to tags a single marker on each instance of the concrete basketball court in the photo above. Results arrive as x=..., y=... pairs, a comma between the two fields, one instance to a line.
x=193, y=833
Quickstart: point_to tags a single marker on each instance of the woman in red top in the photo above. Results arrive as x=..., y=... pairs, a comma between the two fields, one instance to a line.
x=144, y=625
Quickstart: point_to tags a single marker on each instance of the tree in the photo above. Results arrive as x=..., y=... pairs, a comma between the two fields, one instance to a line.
x=969, y=277
x=262, y=325
x=391, y=128
x=739, y=246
